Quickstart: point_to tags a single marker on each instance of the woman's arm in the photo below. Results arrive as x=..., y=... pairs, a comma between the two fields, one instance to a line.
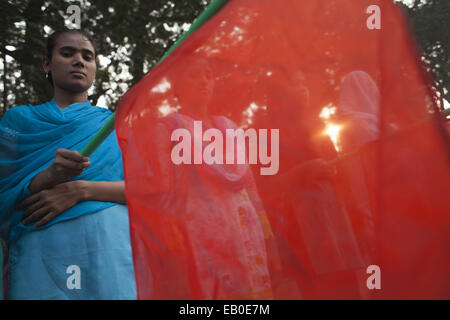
x=45, y=205
x=110, y=191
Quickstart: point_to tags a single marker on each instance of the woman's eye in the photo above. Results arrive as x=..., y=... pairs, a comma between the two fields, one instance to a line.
x=66, y=54
x=88, y=58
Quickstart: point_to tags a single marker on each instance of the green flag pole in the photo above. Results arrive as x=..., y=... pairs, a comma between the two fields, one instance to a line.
x=210, y=11
x=108, y=127
x=99, y=137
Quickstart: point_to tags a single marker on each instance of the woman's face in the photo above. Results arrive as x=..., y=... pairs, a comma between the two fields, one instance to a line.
x=196, y=86
x=73, y=63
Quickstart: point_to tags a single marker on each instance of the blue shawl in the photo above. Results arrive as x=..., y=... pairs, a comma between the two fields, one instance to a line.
x=29, y=138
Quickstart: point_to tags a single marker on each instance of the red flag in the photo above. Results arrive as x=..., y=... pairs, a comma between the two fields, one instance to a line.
x=289, y=149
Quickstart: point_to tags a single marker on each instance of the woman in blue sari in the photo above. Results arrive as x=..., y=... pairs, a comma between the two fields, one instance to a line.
x=64, y=215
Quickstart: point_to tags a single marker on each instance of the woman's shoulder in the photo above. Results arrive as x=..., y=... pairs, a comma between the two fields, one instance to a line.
x=22, y=114
x=15, y=109
x=25, y=107
x=15, y=113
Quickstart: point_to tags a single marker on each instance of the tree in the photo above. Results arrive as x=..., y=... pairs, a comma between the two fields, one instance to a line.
x=430, y=22
x=133, y=35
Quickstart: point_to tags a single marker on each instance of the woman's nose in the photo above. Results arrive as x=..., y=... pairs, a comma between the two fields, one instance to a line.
x=78, y=60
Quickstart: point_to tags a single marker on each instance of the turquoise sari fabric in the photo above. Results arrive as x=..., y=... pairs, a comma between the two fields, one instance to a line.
x=29, y=138
x=85, y=252
x=87, y=258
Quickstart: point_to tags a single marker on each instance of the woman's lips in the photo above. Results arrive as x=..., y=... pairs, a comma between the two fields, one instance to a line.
x=78, y=74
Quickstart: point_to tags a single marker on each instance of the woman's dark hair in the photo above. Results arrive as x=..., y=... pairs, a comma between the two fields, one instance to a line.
x=51, y=43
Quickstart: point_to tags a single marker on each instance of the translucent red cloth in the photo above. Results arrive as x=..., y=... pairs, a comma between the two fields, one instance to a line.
x=363, y=159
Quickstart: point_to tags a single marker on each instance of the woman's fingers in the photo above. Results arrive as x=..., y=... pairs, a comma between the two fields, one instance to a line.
x=36, y=215
x=71, y=155
x=49, y=203
x=71, y=159
x=47, y=218
x=67, y=164
x=71, y=164
x=28, y=201
x=32, y=208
